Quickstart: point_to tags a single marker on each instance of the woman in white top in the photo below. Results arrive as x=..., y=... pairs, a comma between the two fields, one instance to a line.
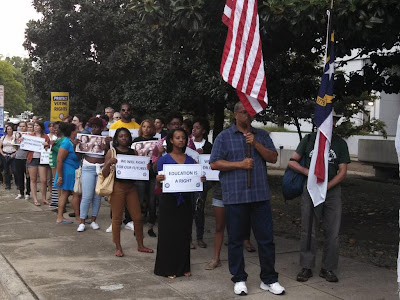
x=8, y=151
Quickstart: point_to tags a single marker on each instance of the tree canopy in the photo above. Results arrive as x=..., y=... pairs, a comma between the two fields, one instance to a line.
x=14, y=87
x=164, y=55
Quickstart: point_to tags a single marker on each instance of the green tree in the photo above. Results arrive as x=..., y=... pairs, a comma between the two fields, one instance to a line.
x=14, y=88
x=164, y=55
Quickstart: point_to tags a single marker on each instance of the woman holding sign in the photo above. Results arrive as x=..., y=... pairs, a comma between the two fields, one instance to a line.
x=91, y=165
x=124, y=193
x=34, y=166
x=175, y=217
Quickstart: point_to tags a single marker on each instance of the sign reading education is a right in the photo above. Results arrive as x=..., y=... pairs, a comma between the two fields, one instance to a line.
x=182, y=178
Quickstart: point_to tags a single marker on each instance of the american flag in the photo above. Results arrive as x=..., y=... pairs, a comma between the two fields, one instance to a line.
x=242, y=63
x=318, y=172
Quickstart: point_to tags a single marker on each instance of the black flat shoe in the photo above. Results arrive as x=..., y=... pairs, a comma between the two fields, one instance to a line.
x=151, y=233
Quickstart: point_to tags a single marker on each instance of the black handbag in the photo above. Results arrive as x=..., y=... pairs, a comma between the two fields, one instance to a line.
x=293, y=182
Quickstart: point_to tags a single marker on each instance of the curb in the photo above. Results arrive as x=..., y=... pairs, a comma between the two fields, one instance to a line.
x=12, y=284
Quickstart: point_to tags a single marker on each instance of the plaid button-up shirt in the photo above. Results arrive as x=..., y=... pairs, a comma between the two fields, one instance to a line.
x=230, y=145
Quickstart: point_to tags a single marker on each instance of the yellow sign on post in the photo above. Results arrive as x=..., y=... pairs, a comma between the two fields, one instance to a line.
x=59, y=106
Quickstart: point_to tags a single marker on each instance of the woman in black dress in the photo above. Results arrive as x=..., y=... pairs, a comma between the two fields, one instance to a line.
x=175, y=215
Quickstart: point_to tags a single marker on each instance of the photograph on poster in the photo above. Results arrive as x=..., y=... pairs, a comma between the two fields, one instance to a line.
x=90, y=144
x=144, y=148
x=18, y=137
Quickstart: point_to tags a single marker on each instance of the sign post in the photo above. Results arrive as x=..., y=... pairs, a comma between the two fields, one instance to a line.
x=59, y=106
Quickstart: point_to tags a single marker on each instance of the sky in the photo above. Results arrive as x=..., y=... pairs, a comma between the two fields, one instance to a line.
x=14, y=14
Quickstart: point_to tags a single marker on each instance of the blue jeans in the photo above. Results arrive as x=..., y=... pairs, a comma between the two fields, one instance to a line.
x=89, y=179
x=239, y=218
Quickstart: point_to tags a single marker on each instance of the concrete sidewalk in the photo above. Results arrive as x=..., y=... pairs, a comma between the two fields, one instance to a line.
x=42, y=260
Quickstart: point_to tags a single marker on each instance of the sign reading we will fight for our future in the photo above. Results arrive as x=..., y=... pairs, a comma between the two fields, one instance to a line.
x=132, y=167
x=182, y=178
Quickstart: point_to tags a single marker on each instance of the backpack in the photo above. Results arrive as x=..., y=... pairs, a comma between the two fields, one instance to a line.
x=293, y=182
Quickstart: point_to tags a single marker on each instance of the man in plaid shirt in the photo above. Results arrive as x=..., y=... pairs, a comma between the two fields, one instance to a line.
x=247, y=206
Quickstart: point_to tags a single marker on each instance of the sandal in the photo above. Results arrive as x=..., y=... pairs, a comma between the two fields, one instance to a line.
x=250, y=248
x=36, y=203
x=212, y=264
x=172, y=277
x=119, y=253
x=145, y=250
x=187, y=274
x=45, y=203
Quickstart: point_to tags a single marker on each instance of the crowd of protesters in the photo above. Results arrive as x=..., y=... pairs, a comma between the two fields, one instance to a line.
x=135, y=203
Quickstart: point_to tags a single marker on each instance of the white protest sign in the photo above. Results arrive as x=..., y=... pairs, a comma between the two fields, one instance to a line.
x=134, y=132
x=182, y=178
x=44, y=157
x=32, y=143
x=158, y=136
x=192, y=153
x=211, y=175
x=132, y=167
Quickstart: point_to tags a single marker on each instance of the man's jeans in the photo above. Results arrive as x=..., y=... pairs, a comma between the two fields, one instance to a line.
x=330, y=213
x=89, y=196
x=239, y=217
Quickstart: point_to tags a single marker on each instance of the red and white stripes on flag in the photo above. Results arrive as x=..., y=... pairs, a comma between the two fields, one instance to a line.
x=317, y=188
x=242, y=63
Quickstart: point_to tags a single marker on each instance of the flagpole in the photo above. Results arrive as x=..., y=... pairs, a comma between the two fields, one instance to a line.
x=249, y=170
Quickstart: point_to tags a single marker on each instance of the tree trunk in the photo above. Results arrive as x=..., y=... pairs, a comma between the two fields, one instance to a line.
x=218, y=119
x=296, y=122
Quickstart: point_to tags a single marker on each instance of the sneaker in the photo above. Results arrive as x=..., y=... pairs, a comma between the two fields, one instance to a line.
x=27, y=197
x=94, y=225
x=240, y=288
x=304, y=275
x=328, y=275
x=274, y=288
x=81, y=227
x=19, y=197
x=129, y=226
x=109, y=229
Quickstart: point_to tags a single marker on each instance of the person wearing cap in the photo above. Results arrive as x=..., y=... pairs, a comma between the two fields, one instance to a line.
x=329, y=212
